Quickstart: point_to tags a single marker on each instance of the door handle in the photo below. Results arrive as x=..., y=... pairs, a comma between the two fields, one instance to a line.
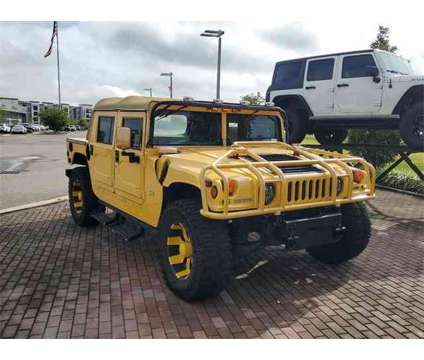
x=132, y=157
x=116, y=155
x=342, y=85
x=310, y=87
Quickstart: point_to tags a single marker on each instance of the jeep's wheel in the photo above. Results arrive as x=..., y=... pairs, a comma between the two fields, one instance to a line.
x=295, y=126
x=195, y=251
x=412, y=126
x=82, y=200
x=354, y=240
x=330, y=136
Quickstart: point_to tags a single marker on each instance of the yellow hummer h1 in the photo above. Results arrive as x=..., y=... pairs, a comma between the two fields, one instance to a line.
x=217, y=181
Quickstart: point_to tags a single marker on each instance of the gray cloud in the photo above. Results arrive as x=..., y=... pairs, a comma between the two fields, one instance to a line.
x=293, y=37
x=187, y=48
x=100, y=59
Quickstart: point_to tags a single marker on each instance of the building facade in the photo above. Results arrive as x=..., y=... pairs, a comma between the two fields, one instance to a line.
x=17, y=111
x=14, y=111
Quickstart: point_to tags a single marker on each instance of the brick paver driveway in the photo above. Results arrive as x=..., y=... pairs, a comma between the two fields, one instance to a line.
x=58, y=280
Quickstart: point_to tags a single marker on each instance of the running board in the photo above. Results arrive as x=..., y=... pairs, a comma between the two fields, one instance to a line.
x=124, y=227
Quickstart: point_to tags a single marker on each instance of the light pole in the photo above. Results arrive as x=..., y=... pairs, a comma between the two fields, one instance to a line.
x=170, y=74
x=216, y=34
x=150, y=90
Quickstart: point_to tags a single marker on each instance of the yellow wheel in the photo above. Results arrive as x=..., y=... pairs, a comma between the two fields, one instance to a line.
x=77, y=196
x=180, y=250
x=82, y=201
x=195, y=252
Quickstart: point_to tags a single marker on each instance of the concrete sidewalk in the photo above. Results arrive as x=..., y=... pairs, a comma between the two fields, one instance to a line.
x=59, y=280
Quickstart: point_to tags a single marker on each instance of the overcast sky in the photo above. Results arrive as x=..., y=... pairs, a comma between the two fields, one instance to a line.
x=101, y=59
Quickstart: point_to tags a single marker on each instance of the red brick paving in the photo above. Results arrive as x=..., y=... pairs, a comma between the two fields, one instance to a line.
x=61, y=281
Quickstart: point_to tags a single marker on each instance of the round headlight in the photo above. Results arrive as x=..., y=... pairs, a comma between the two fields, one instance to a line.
x=269, y=193
x=339, y=185
x=214, y=192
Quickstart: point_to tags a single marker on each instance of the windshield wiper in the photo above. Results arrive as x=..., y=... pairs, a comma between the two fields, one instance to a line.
x=393, y=71
x=165, y=112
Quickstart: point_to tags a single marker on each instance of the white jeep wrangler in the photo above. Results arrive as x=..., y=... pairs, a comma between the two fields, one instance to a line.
x=326, y=95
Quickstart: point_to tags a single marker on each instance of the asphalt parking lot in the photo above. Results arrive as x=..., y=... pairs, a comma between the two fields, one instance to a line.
x=61, y=281
x=32, y=167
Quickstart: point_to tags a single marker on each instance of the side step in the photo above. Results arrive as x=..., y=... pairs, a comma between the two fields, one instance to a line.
x=125, y=227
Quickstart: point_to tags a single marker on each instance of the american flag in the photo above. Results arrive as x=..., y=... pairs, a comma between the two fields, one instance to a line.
x=54, y=33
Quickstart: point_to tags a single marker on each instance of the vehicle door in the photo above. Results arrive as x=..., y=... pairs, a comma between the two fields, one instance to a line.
x=359, y=87
x=129, y=167
x=102, y=150
x=319, y=85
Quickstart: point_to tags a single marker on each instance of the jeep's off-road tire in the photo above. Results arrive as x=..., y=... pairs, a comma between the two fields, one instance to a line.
x=82, y=200
x=330, y=136
x=412, y=126
x=295, y=126
x=354, y=239
x=195, y=251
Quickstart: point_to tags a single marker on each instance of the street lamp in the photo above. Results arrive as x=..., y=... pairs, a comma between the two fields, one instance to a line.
x=216, y=34
x=150, y=90
x=170, y=81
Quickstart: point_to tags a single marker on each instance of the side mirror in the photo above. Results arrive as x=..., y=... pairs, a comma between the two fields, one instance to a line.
x=373, y=71
x=123, y=138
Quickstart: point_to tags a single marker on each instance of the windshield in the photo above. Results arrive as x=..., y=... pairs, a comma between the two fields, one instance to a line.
x=187, y=128
x=241, y=127
x=396, y=64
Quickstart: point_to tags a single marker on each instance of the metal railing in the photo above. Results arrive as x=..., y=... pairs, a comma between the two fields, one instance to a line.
x=324, y=184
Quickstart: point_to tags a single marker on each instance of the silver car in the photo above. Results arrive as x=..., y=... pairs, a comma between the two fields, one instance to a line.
x=19, y=129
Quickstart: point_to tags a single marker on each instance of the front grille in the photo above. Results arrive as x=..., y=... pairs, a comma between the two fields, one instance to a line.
x=306, y=190
x=287, y=169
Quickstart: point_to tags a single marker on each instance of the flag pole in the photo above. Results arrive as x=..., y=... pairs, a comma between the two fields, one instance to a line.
x=58, y=63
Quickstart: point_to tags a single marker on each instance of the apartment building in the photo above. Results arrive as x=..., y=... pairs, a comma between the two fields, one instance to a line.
x=14, y=111
x=29, y=111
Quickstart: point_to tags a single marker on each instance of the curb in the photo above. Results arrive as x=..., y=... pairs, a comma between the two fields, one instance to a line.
x=34, y=205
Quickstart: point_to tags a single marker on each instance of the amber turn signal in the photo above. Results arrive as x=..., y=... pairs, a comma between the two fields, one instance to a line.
x=232, y=186
x=358, y=175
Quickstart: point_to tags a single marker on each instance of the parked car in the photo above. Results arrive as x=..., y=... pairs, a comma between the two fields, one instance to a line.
x=27, y=126
x=4, y=128
x=328, y=94
x=35, y=127
x=218, y=183
x=19, y=129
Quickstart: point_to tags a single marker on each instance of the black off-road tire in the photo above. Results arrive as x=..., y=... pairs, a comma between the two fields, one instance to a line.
x=82, y=216
x=330, y=136
x=211, y=260
x=412, y=126
x=354, y=240
x=295, y=126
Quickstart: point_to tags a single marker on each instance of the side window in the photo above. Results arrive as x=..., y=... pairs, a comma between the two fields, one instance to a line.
x=320, y=70
x=105, y=129
x=289, y=75
x=136, y=126
x=357, y=66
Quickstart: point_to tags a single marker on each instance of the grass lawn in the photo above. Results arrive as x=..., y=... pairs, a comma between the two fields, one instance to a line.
x=403, y=167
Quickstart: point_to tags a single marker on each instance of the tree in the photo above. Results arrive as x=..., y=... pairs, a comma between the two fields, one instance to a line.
x=54, y=118
x=2, y=115
x=83, y=123
x=382, y=41
x=253, y=99
x=378, y=157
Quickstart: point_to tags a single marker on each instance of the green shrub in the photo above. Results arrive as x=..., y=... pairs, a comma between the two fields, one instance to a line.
x=377, y=157
x=402, y=181
x=55, y=118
